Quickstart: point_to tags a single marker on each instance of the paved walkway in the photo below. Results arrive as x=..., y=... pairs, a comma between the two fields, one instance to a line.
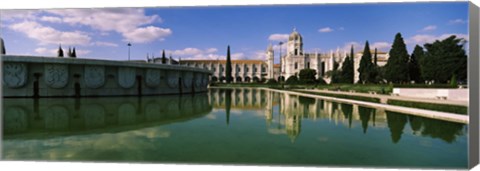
x=452, y=117
x=384, y=98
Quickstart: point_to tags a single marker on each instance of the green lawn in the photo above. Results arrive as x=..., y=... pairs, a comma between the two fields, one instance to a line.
x=429, y=106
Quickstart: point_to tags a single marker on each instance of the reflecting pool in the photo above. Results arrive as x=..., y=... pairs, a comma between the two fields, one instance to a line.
x=227, y=126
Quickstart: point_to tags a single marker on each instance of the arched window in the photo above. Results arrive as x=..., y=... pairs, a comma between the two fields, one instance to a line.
x=308, y=65
x=296, y=51
x=296, y=65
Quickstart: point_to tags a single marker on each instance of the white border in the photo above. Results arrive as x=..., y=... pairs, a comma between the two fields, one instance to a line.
x=53, y=166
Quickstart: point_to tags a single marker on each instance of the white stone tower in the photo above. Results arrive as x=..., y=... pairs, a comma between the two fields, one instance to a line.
x=270, y=61
x=295, y=44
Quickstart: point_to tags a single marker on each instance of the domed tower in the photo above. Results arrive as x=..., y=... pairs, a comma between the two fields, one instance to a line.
x=295, y=43
x=270, y=60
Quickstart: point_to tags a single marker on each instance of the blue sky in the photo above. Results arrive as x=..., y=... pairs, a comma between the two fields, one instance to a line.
x=205, y=32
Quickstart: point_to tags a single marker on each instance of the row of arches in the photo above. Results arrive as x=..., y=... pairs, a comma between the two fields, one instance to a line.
x=246, y=79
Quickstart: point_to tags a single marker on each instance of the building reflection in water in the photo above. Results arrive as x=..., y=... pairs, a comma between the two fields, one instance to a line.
x=292, y=109
x=31, y=116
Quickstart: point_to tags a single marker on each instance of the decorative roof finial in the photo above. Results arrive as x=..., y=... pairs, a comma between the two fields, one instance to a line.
x=294, y=28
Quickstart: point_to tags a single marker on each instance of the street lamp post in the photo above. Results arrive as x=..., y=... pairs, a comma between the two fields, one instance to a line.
x=129, y=44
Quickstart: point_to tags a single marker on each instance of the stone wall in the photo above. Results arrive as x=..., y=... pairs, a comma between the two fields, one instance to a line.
x=31, y=76
x=433, y=93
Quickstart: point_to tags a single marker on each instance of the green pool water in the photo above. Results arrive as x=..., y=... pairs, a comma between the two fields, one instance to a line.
x=227, y=126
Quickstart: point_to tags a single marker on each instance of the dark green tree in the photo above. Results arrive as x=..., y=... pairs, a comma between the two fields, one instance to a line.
x=335, y=74
x=396, y=69
x=164, y=58
x=307, y=76
x=292, y=80
x=228, y=67
x=60, y=51
x=74, y=53
x=2, y=50
x=346, y=73
x=69, y=53
x=414, y=67
x=375, y=58
x=228, y=104
x=366, y=66
x=445, y=59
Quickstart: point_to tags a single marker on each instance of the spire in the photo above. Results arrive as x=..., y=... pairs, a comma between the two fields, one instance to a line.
x=294, y=29
x=60, y=51
x=270, y=48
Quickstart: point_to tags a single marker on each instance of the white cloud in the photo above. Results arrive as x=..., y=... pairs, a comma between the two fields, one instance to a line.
x=43, y=51
x=211, y=50
x=195, y=53
x=325, y=30
x=357, y=47
x=47, y=35
x=99, y=43
x=278, y=37
x=53, y=52
x=210, y=54
x=421, y=39
x=129, y=22
x=429, y=28
x=51, y=19
x=9, y=15
x=457, y=21
x=237, y=56
x=80, y=53
x=381, y=46
x=146, y=34
x=259, y=55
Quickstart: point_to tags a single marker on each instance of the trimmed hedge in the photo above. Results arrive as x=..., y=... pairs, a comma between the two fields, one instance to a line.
x=430, y=106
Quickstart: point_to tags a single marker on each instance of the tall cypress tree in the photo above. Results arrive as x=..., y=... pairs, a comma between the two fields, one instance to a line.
x=396, y=69
x=375, y=58
x=419, y=56
x=228, y=69
x=164, y=58
x=69, y=53
x=2, y=50
x=60, y=51
x=413, y=66
x=347, y=71
x=366, y=67
x=74, y=54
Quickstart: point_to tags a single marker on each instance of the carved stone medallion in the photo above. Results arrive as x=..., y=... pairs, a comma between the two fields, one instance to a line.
x=94, y=76
x=172, y=78
x=56, y=75
x=126, y=77
x=14, y=75
x=152, y=77
x=187, y=79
